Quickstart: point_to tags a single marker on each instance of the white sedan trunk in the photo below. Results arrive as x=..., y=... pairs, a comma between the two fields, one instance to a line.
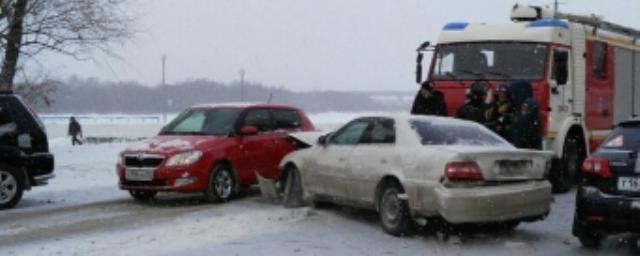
x=509, y=165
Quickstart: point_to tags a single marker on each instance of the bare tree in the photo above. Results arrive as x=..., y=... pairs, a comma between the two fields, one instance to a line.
x=70, y=27
x=37, y=94
x=36, y=88
x=13, y=15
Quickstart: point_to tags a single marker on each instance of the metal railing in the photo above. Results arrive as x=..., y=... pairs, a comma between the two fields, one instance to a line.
x=102, y=119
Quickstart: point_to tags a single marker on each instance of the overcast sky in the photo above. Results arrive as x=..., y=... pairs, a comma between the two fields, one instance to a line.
x=298, y=44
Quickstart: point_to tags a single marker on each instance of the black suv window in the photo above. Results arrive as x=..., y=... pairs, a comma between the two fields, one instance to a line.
x=260, y=118
x=625, y=137
x=286, y=119
x=7, y=125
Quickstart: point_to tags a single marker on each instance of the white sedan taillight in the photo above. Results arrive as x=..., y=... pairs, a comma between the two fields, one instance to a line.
x=463, y=171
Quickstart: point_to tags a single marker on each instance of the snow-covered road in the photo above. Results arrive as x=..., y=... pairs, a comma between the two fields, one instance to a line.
x=82, y=212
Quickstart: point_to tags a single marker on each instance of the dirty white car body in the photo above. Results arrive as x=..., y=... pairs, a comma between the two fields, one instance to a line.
x=354, y=164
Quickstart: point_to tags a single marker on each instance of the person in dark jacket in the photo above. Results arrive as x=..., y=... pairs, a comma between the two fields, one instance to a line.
x=526, y=132
x=75, y=131
x=475, y=109
x=429, y=101
x=501, y=114
x=519, y=91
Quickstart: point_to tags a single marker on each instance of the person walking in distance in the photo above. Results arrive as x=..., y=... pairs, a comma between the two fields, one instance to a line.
x=75, y=131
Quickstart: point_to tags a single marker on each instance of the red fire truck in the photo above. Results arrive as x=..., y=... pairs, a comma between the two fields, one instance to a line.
x=585, y=74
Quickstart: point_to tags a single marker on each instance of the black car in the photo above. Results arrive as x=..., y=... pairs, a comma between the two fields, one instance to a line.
x=25, y=160
x=608, y=199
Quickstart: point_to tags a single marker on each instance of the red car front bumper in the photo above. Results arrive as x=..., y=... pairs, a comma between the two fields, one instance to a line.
x=188, y=179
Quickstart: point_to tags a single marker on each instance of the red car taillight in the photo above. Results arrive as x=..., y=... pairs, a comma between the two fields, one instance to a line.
x=597, y=167
x=463, y=171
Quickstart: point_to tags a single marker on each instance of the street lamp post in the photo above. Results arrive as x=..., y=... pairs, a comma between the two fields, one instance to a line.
x=242, y=73
x=163, y=58
x=164, y=64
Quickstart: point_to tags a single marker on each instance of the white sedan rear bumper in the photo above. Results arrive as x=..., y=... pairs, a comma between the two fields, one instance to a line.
x=520, y=201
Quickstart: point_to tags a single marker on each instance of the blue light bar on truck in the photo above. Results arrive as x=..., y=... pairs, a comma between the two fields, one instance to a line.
x=456, y=26
x=549, y=23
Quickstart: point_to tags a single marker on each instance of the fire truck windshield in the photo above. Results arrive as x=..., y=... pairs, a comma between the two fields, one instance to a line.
x=490, y=60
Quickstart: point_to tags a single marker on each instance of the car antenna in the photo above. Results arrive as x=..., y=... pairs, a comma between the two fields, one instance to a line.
x=270, y=97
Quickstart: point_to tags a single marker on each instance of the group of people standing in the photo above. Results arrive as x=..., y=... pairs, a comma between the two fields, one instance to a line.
x=513, y=115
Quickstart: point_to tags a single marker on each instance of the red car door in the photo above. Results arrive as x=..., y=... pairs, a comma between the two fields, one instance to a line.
x=255, y=150
x=285, y=121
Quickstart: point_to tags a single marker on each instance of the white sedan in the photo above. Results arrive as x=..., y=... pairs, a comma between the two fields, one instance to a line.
x=421, y=167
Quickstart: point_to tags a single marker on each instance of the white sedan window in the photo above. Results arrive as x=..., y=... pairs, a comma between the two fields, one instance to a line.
x=454, y=134
x=381, y=132
x=351, y=134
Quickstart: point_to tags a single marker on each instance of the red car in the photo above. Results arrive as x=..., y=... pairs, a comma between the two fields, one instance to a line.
x=214, y=149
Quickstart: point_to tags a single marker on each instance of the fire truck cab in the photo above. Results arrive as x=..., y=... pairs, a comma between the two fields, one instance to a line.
x=585, y=74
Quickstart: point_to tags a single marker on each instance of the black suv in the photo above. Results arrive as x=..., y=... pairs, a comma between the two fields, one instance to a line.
x=25, y=160
x=608, y=199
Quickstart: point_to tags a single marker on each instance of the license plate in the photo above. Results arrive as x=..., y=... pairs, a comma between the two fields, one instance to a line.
x=139, y=174
x=629, y=184
x=513, y=168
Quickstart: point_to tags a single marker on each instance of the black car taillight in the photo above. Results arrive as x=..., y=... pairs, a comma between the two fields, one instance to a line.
x=463, y=171
x=595, y=166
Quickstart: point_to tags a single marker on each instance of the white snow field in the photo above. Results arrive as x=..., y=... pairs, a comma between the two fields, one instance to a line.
x=82, y=212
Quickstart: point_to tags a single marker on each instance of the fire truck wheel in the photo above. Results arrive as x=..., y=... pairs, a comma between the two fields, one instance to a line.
x=566, y=171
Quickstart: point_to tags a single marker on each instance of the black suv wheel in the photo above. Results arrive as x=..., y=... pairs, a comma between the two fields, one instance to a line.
x=11, y=186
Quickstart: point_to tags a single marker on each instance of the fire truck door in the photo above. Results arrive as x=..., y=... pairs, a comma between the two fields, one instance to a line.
x=561, y=98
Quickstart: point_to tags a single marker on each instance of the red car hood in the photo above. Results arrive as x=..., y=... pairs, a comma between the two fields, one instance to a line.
x=168, y=145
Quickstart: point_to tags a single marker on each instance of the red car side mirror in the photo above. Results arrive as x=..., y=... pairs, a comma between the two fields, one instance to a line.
x=248, y=130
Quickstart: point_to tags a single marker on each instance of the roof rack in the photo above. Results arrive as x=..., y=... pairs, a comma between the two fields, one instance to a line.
x=599, y=23
x=531, y=13
x=630, y=122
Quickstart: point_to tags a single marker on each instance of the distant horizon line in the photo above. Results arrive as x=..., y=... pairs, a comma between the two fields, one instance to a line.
x=232, y=84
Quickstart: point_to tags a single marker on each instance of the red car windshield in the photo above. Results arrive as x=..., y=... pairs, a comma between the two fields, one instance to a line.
x=203, y=122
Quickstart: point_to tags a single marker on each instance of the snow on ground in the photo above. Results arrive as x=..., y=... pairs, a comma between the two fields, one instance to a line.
x=82, y=212
x=83, y=175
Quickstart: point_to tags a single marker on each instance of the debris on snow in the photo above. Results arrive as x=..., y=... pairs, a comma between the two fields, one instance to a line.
x=514, y=245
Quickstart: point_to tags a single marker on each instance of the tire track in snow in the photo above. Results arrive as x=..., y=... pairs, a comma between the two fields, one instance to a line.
x=83, y=220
